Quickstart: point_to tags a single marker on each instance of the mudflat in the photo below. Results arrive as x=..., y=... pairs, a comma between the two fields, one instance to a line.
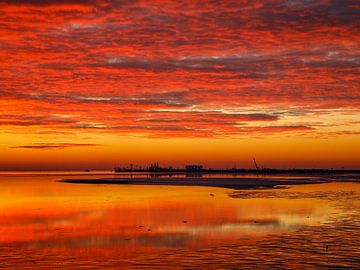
x=234, y=183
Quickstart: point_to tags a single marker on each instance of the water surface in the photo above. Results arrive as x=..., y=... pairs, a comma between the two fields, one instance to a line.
x=45, y=223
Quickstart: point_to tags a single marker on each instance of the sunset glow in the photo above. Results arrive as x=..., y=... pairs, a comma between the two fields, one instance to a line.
x=93, y=84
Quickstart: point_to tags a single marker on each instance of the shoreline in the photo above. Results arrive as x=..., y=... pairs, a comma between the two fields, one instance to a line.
x=232, y=183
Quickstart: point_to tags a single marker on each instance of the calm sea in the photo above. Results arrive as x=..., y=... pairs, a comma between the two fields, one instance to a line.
x=45, y=224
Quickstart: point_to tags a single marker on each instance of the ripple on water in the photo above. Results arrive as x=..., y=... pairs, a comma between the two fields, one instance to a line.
x=301, y=248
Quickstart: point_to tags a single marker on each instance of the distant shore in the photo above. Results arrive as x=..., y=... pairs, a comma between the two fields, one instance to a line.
x=262, y=171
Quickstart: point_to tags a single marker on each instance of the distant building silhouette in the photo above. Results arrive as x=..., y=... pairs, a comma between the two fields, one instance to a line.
x=194, y=168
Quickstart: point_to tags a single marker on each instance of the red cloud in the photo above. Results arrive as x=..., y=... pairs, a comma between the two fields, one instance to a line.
x=176, y=69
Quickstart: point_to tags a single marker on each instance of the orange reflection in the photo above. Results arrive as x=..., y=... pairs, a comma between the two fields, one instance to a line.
x=95, y=220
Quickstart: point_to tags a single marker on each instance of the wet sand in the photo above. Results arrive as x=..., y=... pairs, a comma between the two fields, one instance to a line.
x=233, y=183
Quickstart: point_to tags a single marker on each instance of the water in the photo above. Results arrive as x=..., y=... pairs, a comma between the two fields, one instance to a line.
x=46, y=224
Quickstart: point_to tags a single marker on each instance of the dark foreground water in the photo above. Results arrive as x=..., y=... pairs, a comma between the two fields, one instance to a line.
x=46, y=224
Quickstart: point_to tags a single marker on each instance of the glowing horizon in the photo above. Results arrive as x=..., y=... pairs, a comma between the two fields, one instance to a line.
x=90, y=84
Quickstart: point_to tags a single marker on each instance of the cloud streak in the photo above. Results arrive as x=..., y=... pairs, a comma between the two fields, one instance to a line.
x=52, y=146
x=179, y=69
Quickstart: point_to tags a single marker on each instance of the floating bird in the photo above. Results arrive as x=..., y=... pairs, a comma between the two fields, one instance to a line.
x=212, y=195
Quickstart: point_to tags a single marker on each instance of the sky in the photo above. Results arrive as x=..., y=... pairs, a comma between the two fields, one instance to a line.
x=93, y=84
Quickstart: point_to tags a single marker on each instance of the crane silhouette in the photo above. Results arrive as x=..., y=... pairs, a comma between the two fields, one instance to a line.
x=256, y=166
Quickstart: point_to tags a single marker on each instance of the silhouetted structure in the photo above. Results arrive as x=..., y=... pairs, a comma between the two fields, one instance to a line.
x=194, y=168
x=256, y=166
x=154, y=167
